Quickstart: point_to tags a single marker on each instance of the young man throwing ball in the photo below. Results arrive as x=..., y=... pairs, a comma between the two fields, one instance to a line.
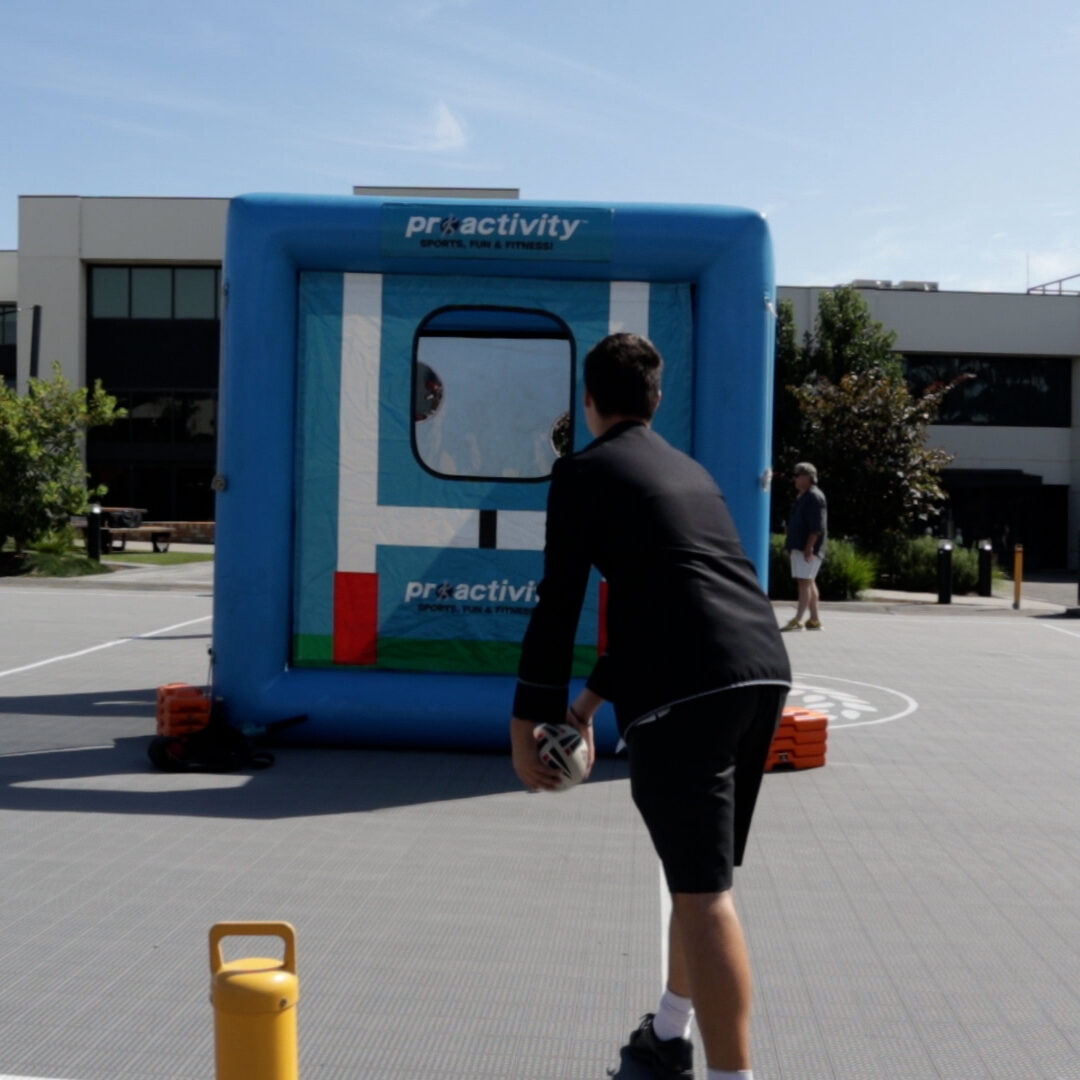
x=695, y=668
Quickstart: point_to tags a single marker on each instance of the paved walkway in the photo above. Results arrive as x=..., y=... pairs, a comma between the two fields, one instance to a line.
x=1044, y=594
x=911, y=906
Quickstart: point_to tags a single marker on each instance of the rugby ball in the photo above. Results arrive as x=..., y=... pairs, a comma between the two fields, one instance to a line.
x=562, y=746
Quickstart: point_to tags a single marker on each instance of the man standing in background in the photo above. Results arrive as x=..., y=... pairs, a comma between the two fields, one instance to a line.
x=806, y=537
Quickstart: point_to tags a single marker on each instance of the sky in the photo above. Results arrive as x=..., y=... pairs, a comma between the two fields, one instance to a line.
x=904, y=141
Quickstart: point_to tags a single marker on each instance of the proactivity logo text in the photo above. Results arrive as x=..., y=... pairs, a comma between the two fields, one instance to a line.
x=497, y=231
x=507, y=225
x=491, y=592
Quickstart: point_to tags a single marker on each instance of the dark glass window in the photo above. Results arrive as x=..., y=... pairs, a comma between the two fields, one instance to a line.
x=151, y=417
x=194, y=498
x=151, y=292
x=152, y=337
x=8, y=324
x=8, y=334
x=196, y=417
x=151, y=489
x=195, y=292
x=1009, y=391
x=155, y=292
x=109, y=292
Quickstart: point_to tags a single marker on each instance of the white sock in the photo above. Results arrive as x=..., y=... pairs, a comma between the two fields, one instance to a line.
x=729, y=1074
x=673, y=1017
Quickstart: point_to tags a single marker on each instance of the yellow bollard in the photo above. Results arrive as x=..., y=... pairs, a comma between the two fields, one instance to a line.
x=1018, y=574
x=254, y=1006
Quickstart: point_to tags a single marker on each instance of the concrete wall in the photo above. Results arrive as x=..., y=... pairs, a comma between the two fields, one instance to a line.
x=1045, y=452
x=9, y=276
x=60, y=234
x=956, y=322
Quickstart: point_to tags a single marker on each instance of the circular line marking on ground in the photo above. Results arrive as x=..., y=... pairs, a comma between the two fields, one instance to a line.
x=844, y=705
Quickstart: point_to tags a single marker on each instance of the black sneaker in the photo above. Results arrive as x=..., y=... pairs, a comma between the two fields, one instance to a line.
x=666, y=1057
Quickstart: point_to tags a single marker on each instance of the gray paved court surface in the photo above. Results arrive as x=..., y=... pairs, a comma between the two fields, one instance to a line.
x=911, y=906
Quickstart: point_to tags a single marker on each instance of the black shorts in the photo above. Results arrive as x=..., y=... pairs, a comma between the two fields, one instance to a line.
x=695, y=774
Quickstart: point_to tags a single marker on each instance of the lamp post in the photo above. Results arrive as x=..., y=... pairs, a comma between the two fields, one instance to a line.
x=944, y=572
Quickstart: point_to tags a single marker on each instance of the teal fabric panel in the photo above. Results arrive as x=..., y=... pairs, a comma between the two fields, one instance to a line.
x=317, y=428
x=671, y=331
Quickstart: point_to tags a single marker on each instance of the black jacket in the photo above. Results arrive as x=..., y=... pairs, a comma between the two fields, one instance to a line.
x=686, y=614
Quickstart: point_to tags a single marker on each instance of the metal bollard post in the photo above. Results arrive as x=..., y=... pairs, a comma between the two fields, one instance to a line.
x=1018, y=574
x=986, y=568
x=93, y=532
x=254, y=1001
x=944, y=572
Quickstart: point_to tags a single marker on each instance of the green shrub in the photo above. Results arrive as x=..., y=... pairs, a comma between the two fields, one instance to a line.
x=48, y=564
x=845, y=572
x=912, y=566
x=70, y=564
x=58, y=542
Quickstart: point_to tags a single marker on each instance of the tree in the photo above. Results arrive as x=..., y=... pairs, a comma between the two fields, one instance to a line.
x=42, y=477
x=842, y=402
x=846, y=339
x=867, y=436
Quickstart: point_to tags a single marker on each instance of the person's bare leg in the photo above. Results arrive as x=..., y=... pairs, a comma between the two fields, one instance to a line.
x=678, y=976
x=812, y=599
x=716, y=965
x=804, y=597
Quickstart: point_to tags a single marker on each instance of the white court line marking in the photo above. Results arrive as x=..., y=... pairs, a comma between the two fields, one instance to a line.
x=902, y=618
x=912, y=704
x=98, y=648
x=665, y=920
x=55, y=750
x=1049, y=626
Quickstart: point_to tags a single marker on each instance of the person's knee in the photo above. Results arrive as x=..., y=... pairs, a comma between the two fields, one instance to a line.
x=695, y=908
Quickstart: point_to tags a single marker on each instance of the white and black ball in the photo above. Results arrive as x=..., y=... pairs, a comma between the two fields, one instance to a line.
x=563, y=747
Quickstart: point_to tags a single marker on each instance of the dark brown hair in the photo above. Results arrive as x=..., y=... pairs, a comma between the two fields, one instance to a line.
x=622, y=373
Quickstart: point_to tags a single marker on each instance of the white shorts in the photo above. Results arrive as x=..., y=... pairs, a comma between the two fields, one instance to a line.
x=800, y=568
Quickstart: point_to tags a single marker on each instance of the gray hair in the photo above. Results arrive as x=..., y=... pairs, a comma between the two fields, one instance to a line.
x=804, y=468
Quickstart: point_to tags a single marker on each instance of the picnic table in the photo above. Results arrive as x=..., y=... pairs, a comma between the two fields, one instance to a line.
x=119, y=524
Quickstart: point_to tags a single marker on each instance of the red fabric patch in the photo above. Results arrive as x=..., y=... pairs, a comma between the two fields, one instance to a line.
x=356, y=618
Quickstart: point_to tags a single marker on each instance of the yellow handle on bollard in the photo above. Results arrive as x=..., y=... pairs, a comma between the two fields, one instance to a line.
x=255, y=1035
x=261, y=928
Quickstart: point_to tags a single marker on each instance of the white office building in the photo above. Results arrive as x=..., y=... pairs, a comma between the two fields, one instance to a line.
x=1015, y=427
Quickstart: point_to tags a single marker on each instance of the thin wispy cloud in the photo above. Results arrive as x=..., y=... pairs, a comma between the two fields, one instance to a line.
x=886, y=245
x=71, y=75
x=492, y=73
x=447, y=132
x=588, y=91
x=885, y=210
x=423, y=11
x=443, y=132
x=129, y=127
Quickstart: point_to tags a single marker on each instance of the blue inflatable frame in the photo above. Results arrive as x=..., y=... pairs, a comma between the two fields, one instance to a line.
x=723, y=254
